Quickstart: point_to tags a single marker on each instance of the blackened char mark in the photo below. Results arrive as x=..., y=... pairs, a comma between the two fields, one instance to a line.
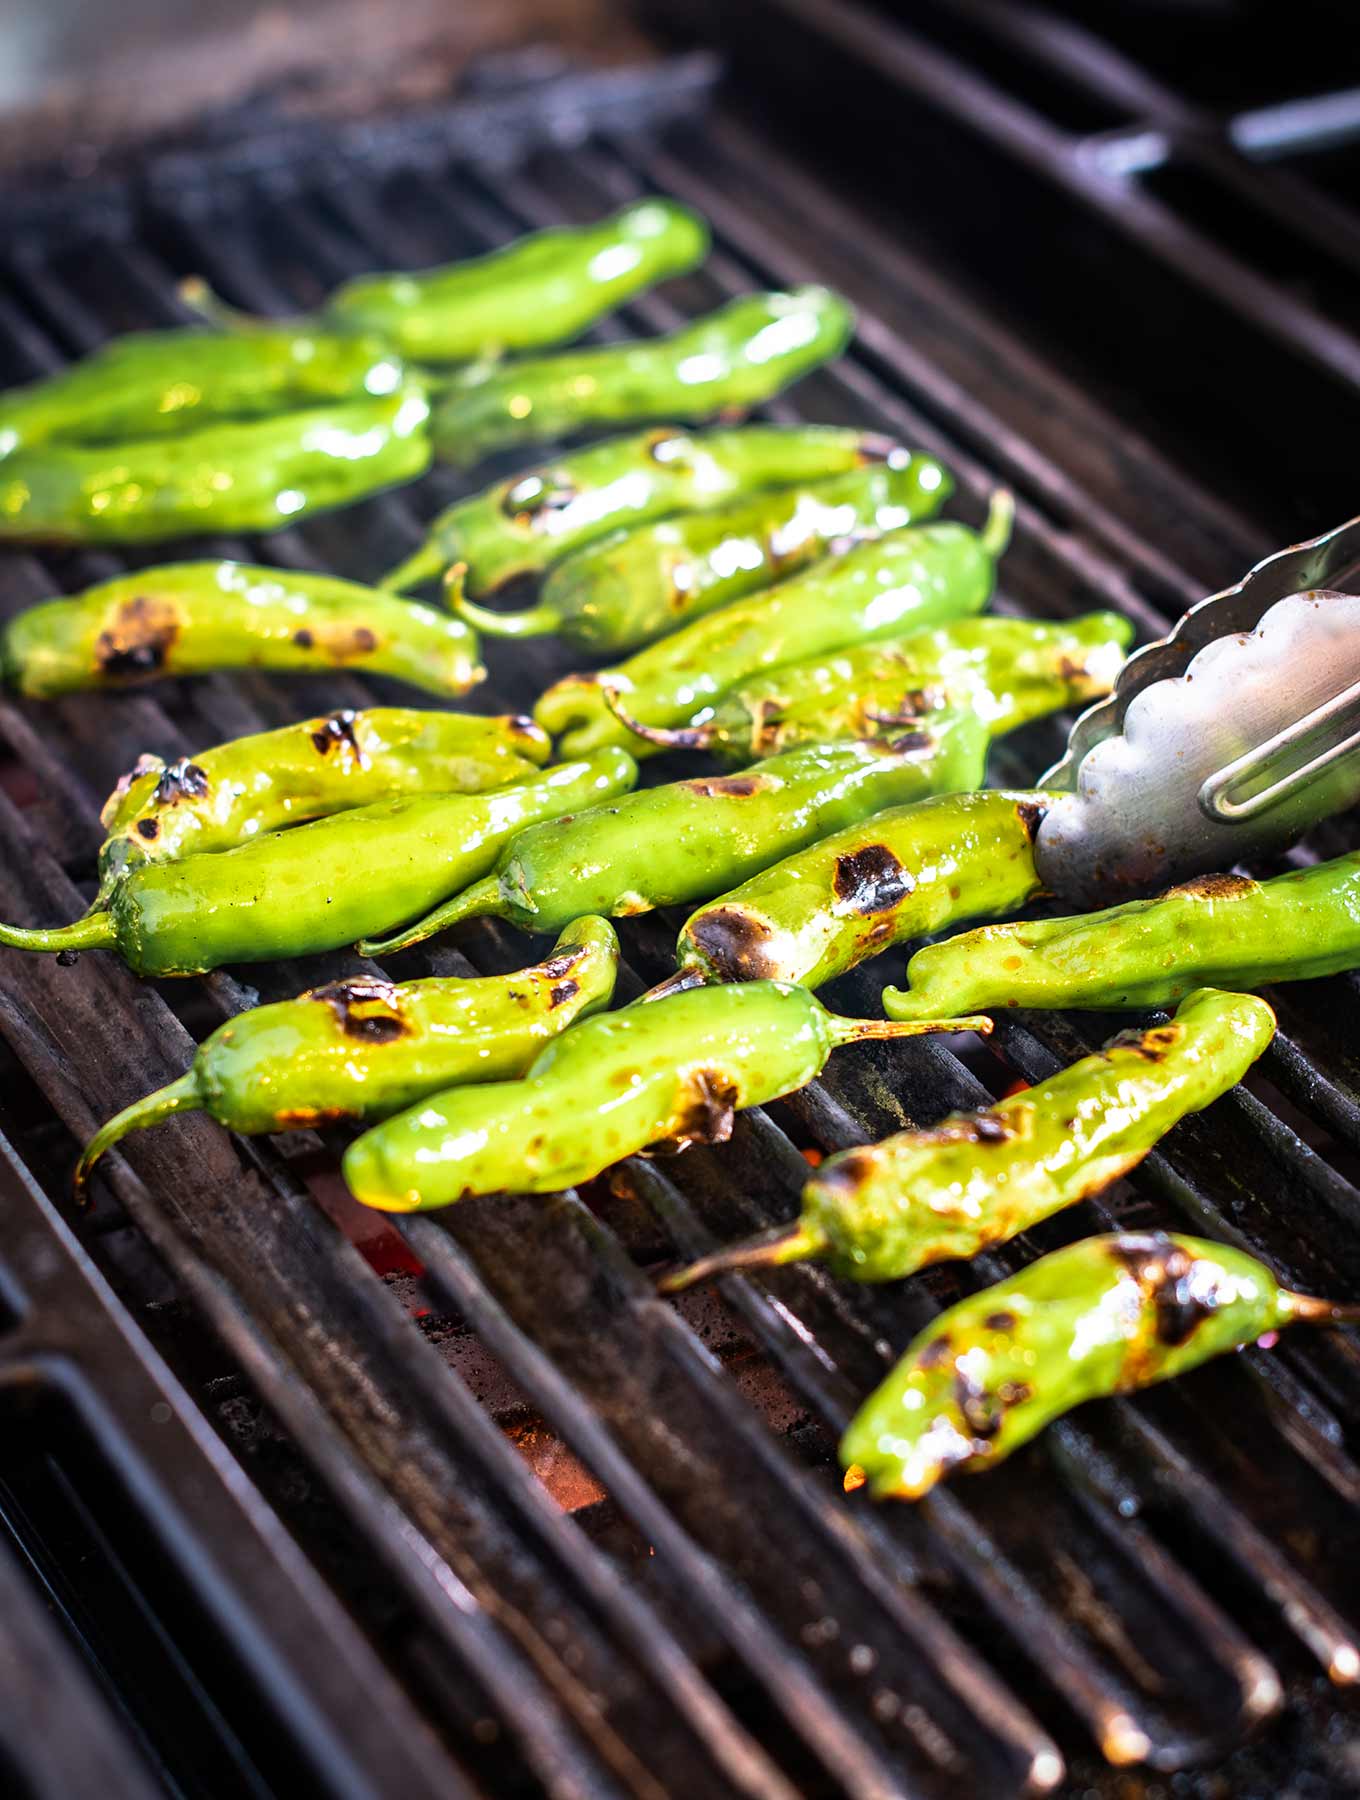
x=735, y=945
x=1165, y=1273
x=1031, y=814
x=338, y=729
x=347, y=998
x=1215, y=887
x=182, y=780
x=1153, y=1046
x=564, y=991
x=704, y=1115
x=138, y=639
x=871, y=880
x=736, y=787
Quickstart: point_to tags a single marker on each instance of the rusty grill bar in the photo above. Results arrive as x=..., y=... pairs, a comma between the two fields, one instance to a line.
x=1153, y=1580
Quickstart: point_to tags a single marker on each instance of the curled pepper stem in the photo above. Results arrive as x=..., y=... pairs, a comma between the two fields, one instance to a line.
x=214, y=310
x=1308, y=1310
x=531, y=621
x=680, y=737
x=423, y=565
x=996, y=532
x=480, y=901
x=180, y=1096
x=95, y=931
x=855, y=1031
x=769, y=1249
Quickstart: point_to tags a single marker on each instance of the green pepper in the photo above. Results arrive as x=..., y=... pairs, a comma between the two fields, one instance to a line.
x=166, y=383
x=251, y=476
x=729, y=360
x=908, y=871
x=1009, y=671
x=257, y=784
x=320, y=886
x=950, y=1190
x=659, y=1077
x=675, y=844
x=364, y=1048
x=636, y=585
x=922, y=575
x=1107, y=1315
x=196, y=617
x=519, y=526
x=1215, y=929
x=540, y=290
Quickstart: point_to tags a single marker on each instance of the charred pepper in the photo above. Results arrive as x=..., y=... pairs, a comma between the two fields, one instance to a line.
x=950, y=1190
x=670, y=845
x=728, y=361
x=239, y=476
x=1107, y=1315
x=521, y=525
x=196, y=617
x=636, y=585
x=261, y=783
x=364, y=1048
x=1215, y=929
x=658, y=1077
x=922, y=575
x=320, y=886
x=1008, y=671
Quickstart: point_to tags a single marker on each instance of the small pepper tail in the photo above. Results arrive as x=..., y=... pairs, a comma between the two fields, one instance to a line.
x=480, y=901
x=214, y=310
x=424, y=565
x=766, y=1250
x=685, y=737
x=854, y=1031
x=1308, y=1310
x=533, y=621
x=996, y=533
x=94, y=931
x=179, y=1096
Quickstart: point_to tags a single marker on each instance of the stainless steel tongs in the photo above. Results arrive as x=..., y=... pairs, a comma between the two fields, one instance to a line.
x=1226, y=739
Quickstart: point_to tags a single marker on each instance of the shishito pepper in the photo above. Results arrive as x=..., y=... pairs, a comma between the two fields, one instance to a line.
x=1217, y=929
x=670, y=845
x=949, y=1190
x=636, y=585
x=729, y=360
x=320, y=886
x=519, y=526
x=364, y=1048
x=659, y=1077
x=197, y=617
x=1107, y=1315
x=1008, y=671
x=908, y=871
x=164, y=383
x=922, y=575
x=540, y=290
x=258, y=784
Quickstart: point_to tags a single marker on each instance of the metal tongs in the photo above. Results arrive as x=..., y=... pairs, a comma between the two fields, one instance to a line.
x=1224, y=740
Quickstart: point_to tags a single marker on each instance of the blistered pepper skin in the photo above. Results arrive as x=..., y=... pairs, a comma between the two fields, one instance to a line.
x=1107, y=1315
x=634, y=586
x=365, y=1048
x=164, y=383
x=328, y=764
x=252, y=476
x=540, y=290
x=662, y=1076
x=1009, y=671
x=1215, y=930
x=196, y=618
x=908, y=871
x=730, y=360
x=321, y=886
x=668, y=846
x=922, y=575
x=519, y=526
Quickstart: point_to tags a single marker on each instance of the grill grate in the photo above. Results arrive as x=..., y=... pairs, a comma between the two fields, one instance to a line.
x=1151, y=1578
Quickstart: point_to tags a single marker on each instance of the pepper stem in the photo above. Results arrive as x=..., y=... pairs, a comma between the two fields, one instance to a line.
x=95, y=931
x=684, y=977
x=854, y=1031
x=1308, y=1310
x=996, y=533
x=423, y=565
x=180, y=1096
x=684, y=737
x=480, y=901
x=211, y=307
x=532, y=621
x=766, y=1250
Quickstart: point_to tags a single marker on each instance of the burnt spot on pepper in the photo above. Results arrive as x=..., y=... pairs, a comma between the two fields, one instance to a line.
x=521, y=725
x=150, y=829
x=564, y=991
x=735, y=945
x=736, y=787
x=1031, y=814
x=1000, y=1321
x=138, y=639
x=182, y=780
x=705, y=1112
x=299, y=1118
x=366, y=1009
x=364, y=639
x=1165, y=1273
x=846, y=1171
x=338, y=729
x=303, y=638
x=971, y=1128
x=871, y=880
x=980, y=1409
x=1214, y=887
x=1153, y=1046
x=937, y=1352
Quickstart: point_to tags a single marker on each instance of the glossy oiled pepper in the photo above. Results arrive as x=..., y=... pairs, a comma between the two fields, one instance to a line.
x=540, y=290
x=1008, y=671
x=1217, y=929
x=165, y=383
x=197, y=617
x=659, y=1077
x=364, y=1048
x=671, y=845
x=257, y=784
x=1104, y=1316
x=519, y=526
x=919, y=576
x=907, y=872
x=637, y=585
x=978, y=1178
x=251, y=476
x=728, y=361
x=320, y=886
